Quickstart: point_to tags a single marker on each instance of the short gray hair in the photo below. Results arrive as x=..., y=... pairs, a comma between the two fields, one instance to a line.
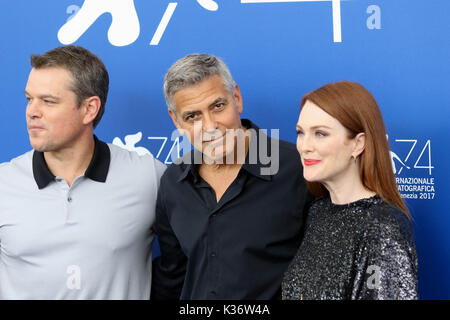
x=191, y=70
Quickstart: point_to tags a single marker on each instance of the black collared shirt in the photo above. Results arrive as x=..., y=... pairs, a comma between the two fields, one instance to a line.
x=237, y=248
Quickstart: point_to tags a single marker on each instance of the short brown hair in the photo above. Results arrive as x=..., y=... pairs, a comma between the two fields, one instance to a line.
x=89, y=75
x=356, y=109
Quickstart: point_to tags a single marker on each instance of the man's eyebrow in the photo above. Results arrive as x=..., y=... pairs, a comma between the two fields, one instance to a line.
x=44, y=96
x=219, y=100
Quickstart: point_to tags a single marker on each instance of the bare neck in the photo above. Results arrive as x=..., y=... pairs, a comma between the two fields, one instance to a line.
x=213, y=169
x=72, y=161
x=348, y=188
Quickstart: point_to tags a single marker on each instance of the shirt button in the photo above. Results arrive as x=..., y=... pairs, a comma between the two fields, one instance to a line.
x=69, y=199
x=213, y=254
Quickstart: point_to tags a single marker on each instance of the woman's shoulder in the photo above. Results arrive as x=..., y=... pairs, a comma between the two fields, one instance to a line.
x=383, y=218
x=320, y=202
x=320, y=205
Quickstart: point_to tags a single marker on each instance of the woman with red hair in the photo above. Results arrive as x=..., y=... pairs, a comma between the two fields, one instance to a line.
x=359, y=241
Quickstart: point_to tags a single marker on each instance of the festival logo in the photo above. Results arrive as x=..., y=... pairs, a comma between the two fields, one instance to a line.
x=156, y=146
x=130, y=143
x=125, y=26
x=413, y=168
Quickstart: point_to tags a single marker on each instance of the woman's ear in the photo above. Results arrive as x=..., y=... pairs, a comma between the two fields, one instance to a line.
x=360, y=144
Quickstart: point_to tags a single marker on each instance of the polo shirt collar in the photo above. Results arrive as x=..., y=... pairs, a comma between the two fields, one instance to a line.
x=97, y=170
x=254, y=169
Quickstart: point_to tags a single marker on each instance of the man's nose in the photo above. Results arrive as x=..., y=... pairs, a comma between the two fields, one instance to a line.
x=33, y=109
x=209, y=123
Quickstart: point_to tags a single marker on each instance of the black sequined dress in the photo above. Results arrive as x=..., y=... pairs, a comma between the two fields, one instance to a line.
x=361, y=250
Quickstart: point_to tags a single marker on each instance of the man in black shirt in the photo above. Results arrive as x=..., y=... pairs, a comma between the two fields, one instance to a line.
x=230, y=213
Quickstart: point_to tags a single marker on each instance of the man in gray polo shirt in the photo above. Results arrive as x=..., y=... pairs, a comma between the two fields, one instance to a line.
x=75, y=212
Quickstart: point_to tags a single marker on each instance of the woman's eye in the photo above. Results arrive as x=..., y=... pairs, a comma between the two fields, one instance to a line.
x=321, y=134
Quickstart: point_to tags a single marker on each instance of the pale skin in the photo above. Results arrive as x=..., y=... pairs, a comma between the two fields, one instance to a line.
x=329, y=156
x=218, y=110
x=57, y=125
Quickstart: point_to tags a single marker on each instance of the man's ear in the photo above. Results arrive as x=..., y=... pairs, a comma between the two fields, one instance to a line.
x=238, y=98
x=360, y=144
x=91, y=107
x=175, y=121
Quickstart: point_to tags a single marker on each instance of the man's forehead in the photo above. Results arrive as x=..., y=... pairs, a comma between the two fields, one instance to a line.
x=200, y=95
x=49, y=81
x=214, y=81
x=51, y=75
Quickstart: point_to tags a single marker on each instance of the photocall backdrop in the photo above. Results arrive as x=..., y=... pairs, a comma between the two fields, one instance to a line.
x=277, y=51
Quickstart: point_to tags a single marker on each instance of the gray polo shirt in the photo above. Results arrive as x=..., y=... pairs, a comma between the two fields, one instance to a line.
x=92, y=240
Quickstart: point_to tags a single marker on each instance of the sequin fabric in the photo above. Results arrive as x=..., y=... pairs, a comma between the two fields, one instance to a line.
x=361, y=250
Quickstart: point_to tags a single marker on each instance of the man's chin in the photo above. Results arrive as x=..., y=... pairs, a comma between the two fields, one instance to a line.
x=39, y=146
x=220, y=158
x=212, y=159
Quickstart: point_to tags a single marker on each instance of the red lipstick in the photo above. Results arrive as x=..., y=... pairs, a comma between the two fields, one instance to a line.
x=310, y=162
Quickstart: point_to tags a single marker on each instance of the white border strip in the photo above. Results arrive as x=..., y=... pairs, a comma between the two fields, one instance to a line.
x=337, y=29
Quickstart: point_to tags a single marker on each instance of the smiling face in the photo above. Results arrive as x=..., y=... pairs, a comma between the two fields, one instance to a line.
x=54, y=118
x=324, y=146
x=209, y=113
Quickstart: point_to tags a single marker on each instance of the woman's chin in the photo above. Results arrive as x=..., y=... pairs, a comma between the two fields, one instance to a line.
x=309, y=176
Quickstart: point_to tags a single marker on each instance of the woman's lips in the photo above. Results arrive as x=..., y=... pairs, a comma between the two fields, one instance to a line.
x=310, y=162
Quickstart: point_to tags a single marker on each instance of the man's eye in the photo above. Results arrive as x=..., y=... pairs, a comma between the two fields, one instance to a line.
x=190, y=117
x=218, y=106
x=49, y=101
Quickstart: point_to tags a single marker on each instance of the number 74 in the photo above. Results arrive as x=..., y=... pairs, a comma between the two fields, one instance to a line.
x=427, y=146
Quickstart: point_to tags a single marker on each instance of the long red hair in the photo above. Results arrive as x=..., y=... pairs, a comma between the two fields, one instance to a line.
x=356, y=109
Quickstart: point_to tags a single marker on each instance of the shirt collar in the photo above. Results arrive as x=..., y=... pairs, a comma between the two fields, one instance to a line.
x=254, y=169
x=97, y=170
x=189, y=166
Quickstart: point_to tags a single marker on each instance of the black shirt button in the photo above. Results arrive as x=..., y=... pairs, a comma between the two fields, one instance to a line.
x=213, y=254
x=69, y=199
